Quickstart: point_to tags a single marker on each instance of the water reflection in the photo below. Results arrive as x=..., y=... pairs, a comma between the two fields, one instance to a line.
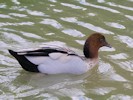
x=15, y=24
x=120, y=6
x=84, y=2
x=108, y=73
x=52, y=22
x=127, y=65
x=102, y=90
x=115, y=25
x=120, y=97
x=18, y=15
x=15, y=2
x=126, y=39
x=5, y=16
x=73, y=32
x=37, y=13
x=87, y=25
x=129, y=16
x=73, y=6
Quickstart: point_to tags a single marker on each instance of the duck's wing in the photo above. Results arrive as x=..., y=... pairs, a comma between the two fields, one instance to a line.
x=41, y=55
x=49, y=60
x=47, y=51
x=31, y=59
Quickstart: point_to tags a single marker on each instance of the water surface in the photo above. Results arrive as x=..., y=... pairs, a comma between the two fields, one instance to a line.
x=32, y=23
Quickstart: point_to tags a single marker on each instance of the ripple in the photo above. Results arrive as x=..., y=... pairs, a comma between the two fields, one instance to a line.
x=31, y=35
x=129, y=16
x=97, y=6
x=127, y=65
x=28, y=93
x=3, y=45
x=18, y=15
x=8, y=29
x=91, y=14
x=115, y=25
x=14, y=37
x=19, y=8
x=119, y=56
x=107, y=49
x=57, y=10
x=4, y=60
x=108, y=73
x=80, y=42
x=101, y=1
x=125, y=39
x=86, y=25
x=15, y=24
x=130, y=0
x=15, y=2
x=73, y=6
x=52, y=0
x=120, y=97
x=22, y=88
x=71, y=92
x=3, y=6
x=5, y=16
x=69, y=19
x=50, y=33
x=54, y=44
x=7, y=96
x=120, y=6
x=81, y=97
x=52, y=22
x=102, y=90
x=73, y=32
x=94, y=28
x=37, y=13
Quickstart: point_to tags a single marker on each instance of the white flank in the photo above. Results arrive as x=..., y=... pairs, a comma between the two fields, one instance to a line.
x=66, y=64
x=57, y=63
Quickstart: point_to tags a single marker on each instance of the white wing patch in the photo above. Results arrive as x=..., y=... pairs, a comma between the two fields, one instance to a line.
x=37, y=60
x=45, y=59
x=55, y=56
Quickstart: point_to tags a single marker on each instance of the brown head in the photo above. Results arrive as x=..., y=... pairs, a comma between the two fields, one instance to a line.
x=92, y=45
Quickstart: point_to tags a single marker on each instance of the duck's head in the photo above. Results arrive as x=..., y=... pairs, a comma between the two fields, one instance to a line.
x=93, y=43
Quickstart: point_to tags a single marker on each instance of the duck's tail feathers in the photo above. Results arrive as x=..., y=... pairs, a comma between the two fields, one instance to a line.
x=13, y=53
x=24, y=62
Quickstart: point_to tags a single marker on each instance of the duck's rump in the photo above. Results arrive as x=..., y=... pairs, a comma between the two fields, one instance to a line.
x=50, y=61
x=24, y=62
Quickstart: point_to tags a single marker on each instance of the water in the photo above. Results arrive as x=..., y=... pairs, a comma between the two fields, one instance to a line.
x=31, y=23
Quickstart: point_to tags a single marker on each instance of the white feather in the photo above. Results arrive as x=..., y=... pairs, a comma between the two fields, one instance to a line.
x=44, y=59
x=37, y=60
x=56, y=55
x=66, y=64
x=57, y=63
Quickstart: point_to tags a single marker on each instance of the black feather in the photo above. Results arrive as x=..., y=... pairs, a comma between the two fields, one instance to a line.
x=27, y=65
x=44, y=52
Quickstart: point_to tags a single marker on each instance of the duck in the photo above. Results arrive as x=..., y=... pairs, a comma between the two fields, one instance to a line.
x=59, y=60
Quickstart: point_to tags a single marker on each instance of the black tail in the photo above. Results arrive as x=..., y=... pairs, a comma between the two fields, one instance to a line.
x=13, y=53
x=26, y=64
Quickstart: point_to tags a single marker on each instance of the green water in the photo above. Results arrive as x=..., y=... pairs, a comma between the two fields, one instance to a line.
x=31, y=23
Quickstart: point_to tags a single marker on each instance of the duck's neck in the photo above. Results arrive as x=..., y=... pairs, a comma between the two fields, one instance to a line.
x=90, y=51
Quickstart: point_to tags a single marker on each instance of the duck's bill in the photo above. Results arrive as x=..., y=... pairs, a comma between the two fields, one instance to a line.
x=107, y=45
